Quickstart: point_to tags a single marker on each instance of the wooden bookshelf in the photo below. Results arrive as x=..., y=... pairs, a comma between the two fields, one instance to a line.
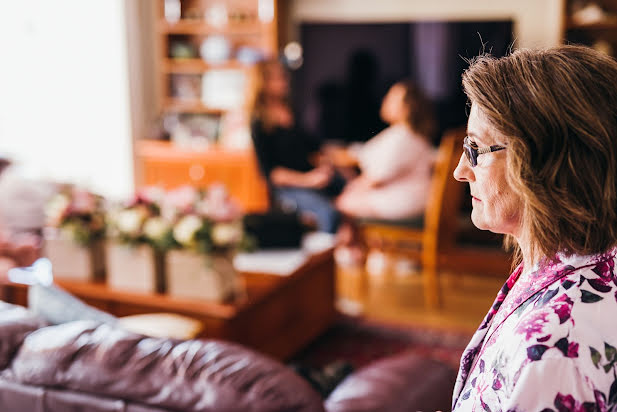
x=198, y=66
x=182, y=82
x=189, y=106
x=198, y=27
x=603, y=25
x=600, y=33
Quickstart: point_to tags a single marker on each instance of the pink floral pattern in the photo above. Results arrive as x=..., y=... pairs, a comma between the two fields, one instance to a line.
x=548, y=343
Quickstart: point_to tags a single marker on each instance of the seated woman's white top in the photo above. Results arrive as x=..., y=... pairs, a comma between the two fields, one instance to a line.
x=398, y=163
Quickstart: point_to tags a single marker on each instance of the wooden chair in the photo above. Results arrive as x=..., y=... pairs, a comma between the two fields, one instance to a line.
x=423, y=239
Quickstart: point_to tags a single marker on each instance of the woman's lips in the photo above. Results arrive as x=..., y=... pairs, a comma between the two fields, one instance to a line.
x=475, y=198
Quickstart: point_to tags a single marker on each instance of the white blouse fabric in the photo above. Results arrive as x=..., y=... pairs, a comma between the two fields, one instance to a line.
x=398, y=162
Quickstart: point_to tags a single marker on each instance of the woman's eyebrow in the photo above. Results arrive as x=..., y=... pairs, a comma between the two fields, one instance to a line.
x=475, y=137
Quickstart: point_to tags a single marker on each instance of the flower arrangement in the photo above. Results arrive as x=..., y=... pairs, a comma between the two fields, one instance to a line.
x=201, y=221
x=207, y=228
x=77, y=213
x=205, y=221
x=140, y=221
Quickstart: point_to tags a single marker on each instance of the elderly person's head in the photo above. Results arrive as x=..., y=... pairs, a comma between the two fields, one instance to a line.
x=541, y=151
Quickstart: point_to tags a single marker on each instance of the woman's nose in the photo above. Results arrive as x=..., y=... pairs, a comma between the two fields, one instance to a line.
x=463, y=171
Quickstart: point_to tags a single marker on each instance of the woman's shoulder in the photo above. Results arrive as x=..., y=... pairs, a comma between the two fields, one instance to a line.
x=574, y=313
x=569, y=328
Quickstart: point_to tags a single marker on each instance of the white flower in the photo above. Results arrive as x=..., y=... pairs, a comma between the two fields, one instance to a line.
x=156, y=228
x=226, y=234
x=184, y=231
x=56, y=208
x=129, y=221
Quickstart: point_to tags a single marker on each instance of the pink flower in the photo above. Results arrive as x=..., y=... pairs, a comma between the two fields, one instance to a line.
x=533, y=324
x=605, y=269
x=182, y=198
x=562, y=307
x=218, y=205
x=149, y=195
x=83, y=202
x=567, y=403
x=572, y=350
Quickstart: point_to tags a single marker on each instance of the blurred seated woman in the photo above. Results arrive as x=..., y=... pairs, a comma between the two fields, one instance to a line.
x=541, y=165
x=395, y=165
x=284, y=152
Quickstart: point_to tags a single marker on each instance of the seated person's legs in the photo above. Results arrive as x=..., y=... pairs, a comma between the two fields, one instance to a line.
x=354, y=201
x=307, y=200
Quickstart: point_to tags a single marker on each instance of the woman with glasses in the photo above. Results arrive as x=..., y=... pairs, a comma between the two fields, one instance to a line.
x=541, y=162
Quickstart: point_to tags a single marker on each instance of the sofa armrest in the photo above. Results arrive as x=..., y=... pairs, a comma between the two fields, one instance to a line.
x=405, y=382
x=190, y=376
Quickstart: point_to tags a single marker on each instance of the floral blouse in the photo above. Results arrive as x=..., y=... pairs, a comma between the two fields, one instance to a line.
x=548, y=343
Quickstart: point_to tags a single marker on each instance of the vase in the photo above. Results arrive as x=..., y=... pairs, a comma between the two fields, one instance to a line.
x=135, y=268
x=207, y=277
x=73, y=261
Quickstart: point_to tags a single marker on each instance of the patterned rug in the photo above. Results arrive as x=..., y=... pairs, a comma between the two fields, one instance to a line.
x=360, y=342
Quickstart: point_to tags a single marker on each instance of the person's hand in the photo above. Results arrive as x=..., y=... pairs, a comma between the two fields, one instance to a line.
x=339, y=156
x=319, y=177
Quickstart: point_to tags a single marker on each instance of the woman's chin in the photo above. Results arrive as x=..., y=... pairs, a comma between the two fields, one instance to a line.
x=477, y=220
x=484, y=225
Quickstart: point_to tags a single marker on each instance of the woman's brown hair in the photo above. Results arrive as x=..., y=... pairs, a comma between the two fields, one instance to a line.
x=557, y=109
x=260, y=98
x=421, y=118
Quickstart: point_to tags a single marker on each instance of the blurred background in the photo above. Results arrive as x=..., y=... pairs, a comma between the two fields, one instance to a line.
x=117, y=95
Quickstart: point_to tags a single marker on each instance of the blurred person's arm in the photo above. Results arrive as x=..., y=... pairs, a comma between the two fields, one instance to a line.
x=317, y=178
x=340, y=156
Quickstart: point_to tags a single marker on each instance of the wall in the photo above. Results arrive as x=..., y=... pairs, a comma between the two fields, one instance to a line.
x=537, y=23
x=144, y=85
x=64, y=100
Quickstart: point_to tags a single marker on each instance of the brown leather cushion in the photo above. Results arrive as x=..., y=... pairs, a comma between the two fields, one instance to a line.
x=405, y=382
x=183, y=375
x=15, y=323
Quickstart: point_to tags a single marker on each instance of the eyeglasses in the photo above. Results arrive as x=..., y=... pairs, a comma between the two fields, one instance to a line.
x=472, y=152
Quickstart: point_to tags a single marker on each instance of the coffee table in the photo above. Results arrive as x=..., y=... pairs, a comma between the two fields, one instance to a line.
x=277, y=315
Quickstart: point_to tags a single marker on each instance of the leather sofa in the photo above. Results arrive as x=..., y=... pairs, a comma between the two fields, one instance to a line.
x=90, y=366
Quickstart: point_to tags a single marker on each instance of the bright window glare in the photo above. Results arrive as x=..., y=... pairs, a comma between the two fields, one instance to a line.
x=64, y=100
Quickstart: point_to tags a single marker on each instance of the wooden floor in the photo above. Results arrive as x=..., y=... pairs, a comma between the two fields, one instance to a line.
x=397, y=298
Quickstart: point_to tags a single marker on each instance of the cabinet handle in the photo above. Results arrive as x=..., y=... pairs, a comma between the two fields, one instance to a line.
x=196, y=172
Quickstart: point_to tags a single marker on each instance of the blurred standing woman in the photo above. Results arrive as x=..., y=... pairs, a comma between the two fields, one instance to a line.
x=284, y=152
x=541, y=163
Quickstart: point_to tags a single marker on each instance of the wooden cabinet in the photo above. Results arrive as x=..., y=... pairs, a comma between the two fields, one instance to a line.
x=276, y=315
x=592, y=23
x=206, y=70
x=167, y=166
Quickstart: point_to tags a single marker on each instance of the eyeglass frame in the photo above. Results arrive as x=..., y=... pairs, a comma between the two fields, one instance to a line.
x=472, y=153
